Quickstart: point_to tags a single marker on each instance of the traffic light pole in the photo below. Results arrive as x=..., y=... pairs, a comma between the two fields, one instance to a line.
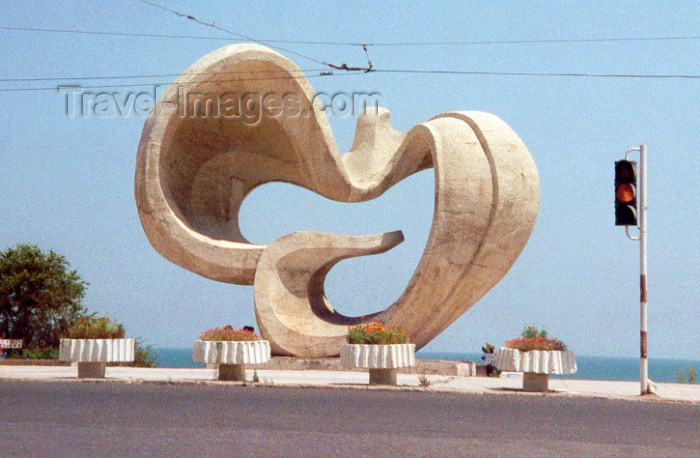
x=643, y=366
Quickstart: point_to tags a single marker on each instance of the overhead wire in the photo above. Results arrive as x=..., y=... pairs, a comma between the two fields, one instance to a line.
x=359, y=44
x=344, y=67
x=575, y=75
x=107, y=86
x=379, y=70
x=162, y=75
x=530, y=41
x=231, y=32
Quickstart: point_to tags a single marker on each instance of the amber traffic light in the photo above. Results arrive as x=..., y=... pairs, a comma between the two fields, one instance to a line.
x=625, y=193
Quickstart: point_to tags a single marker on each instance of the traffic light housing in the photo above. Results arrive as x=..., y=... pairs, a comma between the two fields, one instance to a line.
x=625, y=193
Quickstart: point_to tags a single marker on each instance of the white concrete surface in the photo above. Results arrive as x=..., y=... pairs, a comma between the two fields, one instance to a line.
x=97, y=350
x=536, y=361
x=230, y=352
x=344, y=379
x=378, y=356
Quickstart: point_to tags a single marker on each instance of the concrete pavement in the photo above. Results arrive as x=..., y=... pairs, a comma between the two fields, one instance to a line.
x=359, y=380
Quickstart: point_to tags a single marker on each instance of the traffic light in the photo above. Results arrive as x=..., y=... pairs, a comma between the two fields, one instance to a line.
x=625, y=193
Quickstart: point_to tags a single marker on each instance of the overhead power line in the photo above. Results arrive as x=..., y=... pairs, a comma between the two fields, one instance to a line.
x=162, y=75
x=114, y=33
x=571, y=75
x=346, y=43
x=533, y=41
x=359, y=72
x=230, y=32
x=344, y=66
x=165, y=83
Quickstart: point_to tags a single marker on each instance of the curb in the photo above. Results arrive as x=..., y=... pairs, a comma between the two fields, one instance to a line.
x=652, y=398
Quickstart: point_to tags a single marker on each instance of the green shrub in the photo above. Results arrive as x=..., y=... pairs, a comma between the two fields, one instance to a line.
x=532, y=339
x=692, y=375
x=530, y=332
x=34, y=353
x=92, y=327
x=424, y=381
x=143, y=354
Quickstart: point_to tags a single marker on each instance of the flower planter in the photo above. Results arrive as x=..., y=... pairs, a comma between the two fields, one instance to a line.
x=231, y=357
x=383, y=361
x=92, y=355
x=536, y=365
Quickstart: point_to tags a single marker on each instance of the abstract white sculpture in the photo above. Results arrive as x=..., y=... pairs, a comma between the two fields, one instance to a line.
x=193, y=172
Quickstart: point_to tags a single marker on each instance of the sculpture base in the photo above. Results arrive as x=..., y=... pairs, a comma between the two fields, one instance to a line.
x=383, y=376
x=535, y=382
x=91, y=370
x=231, y=372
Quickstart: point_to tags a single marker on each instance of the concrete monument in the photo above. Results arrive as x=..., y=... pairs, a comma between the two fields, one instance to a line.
x=194, y=169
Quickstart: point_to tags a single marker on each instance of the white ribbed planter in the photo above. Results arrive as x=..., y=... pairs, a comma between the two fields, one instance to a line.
x=92, y=355
x=536, y=365
x=383, y=361
x=231, y=357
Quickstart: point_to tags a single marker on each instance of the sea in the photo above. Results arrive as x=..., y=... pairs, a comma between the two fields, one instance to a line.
x=589, y=367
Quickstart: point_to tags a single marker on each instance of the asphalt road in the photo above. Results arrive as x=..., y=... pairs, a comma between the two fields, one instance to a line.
x=109, y=419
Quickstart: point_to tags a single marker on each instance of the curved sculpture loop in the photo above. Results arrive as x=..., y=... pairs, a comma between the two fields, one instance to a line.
x=193, y=173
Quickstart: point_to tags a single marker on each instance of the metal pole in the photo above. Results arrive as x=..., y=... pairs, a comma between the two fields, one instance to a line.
x=643, y=366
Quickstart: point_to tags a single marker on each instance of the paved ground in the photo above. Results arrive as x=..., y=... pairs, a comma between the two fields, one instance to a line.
x=120, y=419
x=341, y=379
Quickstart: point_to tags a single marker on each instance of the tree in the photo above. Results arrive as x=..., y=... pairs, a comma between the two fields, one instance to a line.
x=40, y=297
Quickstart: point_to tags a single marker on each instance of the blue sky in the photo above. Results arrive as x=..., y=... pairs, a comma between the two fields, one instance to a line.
x=67, y=183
